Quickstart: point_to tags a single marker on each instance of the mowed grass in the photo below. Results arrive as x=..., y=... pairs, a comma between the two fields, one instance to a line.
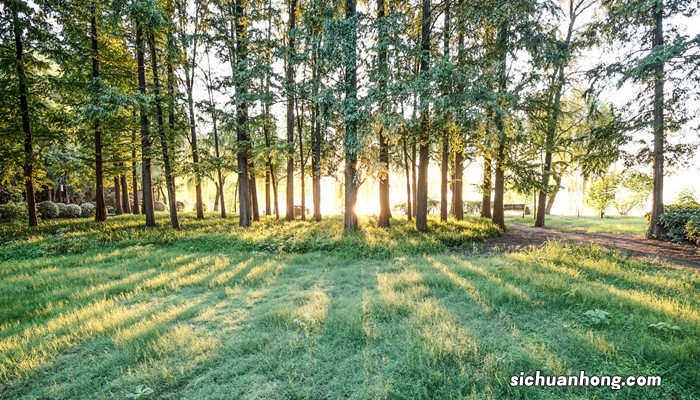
x=619, y=225
x=300, y=311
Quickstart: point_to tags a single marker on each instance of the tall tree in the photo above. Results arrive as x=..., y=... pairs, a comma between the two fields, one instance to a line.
x=242, y=137
x=146, y=140
x=100, y=209
x=169, y=178
x=445, y=159
x=290, y=88
x=382, y=71
x=15, y=7
x=350, y=116
x=424, y=133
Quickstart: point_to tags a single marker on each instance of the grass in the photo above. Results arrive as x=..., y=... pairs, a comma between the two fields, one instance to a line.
x=619, y=225
x=301, y=311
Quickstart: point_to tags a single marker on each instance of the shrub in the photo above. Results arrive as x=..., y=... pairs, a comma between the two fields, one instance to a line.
x=73, y=211
x=674, y=219
x=87, y=210
x=472, y=207
x=180, y=206
x=62, y=210
x=47, y=210
x=13, y=211
x=692, y=229
x=204, y=207
x=158, y=206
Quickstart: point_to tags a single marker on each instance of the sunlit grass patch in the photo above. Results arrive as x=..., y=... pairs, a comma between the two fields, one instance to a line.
x=304, y=311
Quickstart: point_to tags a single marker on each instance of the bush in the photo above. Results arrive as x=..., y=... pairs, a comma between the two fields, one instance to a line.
x=675, y=218
x=13, y=211
x=472, y=207
x=180, y=206
x=158, y=206
x=204, y=207
x=73, y=211
x=692, y=229
x=62, y=210
x=87, y=210
x=48, y=210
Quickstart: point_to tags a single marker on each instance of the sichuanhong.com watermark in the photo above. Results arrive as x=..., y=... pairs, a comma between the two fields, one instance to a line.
x=614, y=382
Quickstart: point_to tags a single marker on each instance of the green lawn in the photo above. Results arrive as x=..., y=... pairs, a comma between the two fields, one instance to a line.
x=621, y=225
x=299, y=311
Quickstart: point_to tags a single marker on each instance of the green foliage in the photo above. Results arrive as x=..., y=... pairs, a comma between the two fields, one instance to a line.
x=601, y=192
x=48, y=210
x=692, y=229
x=73, y=211
x=597, y=317
x=665, y=327
x=62, y=210
x=87, y=210
x=14, y=211
x=675, y=218
x=636, y=190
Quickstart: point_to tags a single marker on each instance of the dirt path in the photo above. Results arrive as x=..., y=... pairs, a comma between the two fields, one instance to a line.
x=518, y=236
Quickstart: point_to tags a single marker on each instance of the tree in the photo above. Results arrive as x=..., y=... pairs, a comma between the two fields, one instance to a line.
x=424, y=135
x=289, y=83
x=662, y=58
x=350, y=115
x=15, y=7
x=601, y=192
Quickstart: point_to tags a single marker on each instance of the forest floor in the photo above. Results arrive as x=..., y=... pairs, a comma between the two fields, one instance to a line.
x=301, y=311
x=520, y=235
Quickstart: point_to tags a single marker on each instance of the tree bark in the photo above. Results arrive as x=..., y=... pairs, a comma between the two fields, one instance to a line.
x=244, y=214
x=100, y=208
x=217, y=196
x=118, y=209
x=424, y=145
x=146, y=182
x=28, y=164
x=657, y=194
x=499, y=184
x=289, y=78
x=300, y=116
x=169, y=181
x=553, y=195
x=125, y=193
x=458, y=204
x=486, y=188
x=134, y=175
x=350, y=118
x=445, y=133
x=253, y=191
x=382, y=58
x=409, y=206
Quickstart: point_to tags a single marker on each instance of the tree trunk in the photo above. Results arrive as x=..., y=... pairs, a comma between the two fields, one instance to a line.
x=217, y=196
x=134, y=175
x=118, y=209
x=244, y=214
x=219, y=176
x=486, y=188
x=458, y=204
x=414, y=175
x=253, y=191
x=553, y=195
x=382, y=58
x=350, y=143
x=289, y=78
x=445, y=133
x=28, y=165
x=499, y=184
x=657, y=194
x=125, y=193
x=409, y=207
x=190, y=68
x=100, y=209
x=147, y=184
x=316, y=145
x=424, y=146
x=300, y=123
x=169, y=181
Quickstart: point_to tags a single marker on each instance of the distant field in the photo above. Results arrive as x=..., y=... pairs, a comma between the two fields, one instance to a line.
x=620, y=225
x=302, y=311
